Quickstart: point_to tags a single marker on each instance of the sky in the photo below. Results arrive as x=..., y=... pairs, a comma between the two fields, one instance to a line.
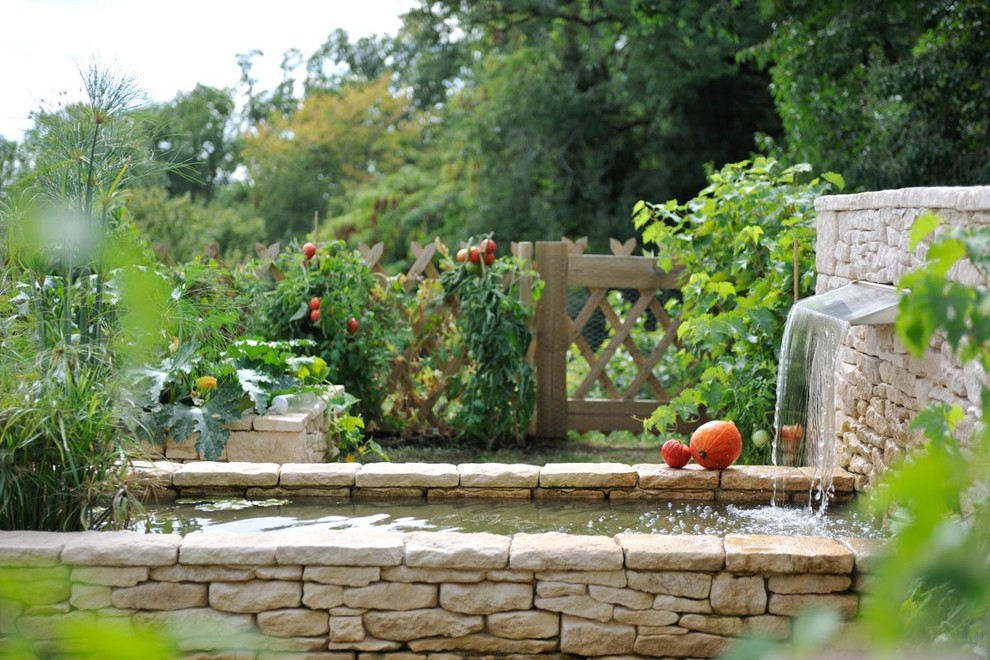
x=167, y=47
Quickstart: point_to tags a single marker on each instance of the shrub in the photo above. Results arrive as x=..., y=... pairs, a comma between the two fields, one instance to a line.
x=735, y=245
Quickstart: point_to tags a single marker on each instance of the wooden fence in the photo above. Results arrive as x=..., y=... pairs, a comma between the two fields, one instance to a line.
x=594, y=399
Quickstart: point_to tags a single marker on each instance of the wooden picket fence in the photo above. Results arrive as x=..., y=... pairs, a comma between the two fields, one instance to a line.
x=593, y=398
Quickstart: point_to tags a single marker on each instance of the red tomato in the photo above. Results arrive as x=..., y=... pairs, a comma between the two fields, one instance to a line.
x=474, y=255
x=487, y=246
x=352, y=325
x=462, y=255
x=314, y=315
x=675, y=453
x=309, y=250
x=489, y=258
x=314, y=303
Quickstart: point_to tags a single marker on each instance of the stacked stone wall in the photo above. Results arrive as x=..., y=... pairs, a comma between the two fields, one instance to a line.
x=880, y=387
x=363, y=594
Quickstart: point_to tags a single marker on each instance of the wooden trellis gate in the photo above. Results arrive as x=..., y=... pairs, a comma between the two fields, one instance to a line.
x=563, y=267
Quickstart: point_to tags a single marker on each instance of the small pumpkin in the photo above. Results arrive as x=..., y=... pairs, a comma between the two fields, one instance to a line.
x=716, y=445
x=675, y=453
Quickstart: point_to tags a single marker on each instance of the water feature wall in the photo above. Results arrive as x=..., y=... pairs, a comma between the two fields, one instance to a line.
x=308, y=593
x=880, y=387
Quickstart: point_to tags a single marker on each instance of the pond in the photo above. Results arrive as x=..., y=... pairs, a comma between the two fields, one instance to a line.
x=506, y=516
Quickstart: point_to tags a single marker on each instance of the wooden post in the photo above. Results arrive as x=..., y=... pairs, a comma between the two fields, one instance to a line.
x=551, y=341
x=316, y=228
x=524, y=252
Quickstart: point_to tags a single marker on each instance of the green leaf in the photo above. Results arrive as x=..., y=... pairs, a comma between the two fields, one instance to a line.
x=922, y=227
x=252, y=383
x=835, y=179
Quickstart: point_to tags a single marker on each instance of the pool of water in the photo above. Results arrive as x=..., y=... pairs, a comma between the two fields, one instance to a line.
x=508, y=517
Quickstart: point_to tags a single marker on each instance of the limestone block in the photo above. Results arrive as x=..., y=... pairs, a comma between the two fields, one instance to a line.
x=29, y=548
x=320, y=547
x=695, y=645
x=486, y=597
x=866, y=552
x=554, y=589
x=663, y=477
x=290, y=422
x=672, y=583
x=490, y=493
x=510, y=576
x=847, y=605
x=767, y=625
x=243, y=423
x=322, y=596
x=110, y=577
x=121, y=549
x=160, y=596
x=652, y=631
x=180, y=573
x=553, y=551
x=228, y=549
x=569, y=494
x=206, y=473
x=279, y=572
x=266, y=446
x=531, y=624
x=654, y=618
x=498, y=475
x=582, y=606
x=715, y=625
x=50, y=626
x=391, y=596
x=764, y=478
x=672, y=552
x=430, y=575
x=456, y=550
x=40, y=591
x=738, y=595
x=89, y=597
x=482, y=643
x=200, y=628
x=634, y=600
x=415, y=624
x=399, y=475
x=604, y=578
x=587, y=475
x=367, y=645
x=346, y=629
x=345, y=576
x=255, y=596
x=808, y=584
x=152, y=474
x=678, y=604
x=322, y=475
x=294, y=623
x=786, y=554
x=592, y=638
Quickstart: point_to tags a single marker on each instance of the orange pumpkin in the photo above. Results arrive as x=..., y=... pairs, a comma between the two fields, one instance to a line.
x=716, y=445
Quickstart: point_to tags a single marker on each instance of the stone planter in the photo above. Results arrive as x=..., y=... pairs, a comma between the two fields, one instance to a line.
x=290, y=437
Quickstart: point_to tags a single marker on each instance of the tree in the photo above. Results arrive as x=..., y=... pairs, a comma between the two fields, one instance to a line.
x=194, y=134
x=298, y=162
x=890, y=93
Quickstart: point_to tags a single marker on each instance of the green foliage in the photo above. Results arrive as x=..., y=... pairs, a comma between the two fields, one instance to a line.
x=497, y=391
x=734, y=244
x=931, y=584
x=884, y=92
x=347, y=289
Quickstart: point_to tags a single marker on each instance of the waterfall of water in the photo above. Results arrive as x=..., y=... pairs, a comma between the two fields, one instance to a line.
x=804, y=419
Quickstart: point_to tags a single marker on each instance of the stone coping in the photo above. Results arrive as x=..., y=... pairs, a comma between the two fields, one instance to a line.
x=963, y=198
x=548, y=551
x=613, y=481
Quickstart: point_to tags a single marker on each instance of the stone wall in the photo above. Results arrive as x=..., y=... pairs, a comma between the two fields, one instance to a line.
x=357, y=594
x=291, y=437
x=586, y=481
x=880, y=387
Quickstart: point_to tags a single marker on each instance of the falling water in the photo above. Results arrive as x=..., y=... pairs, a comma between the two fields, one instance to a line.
x=804, y=420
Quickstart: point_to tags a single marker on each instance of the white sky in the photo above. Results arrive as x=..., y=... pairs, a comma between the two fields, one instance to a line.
x=168, y=47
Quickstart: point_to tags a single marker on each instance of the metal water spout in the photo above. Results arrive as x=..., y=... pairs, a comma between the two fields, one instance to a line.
x=858, y=303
